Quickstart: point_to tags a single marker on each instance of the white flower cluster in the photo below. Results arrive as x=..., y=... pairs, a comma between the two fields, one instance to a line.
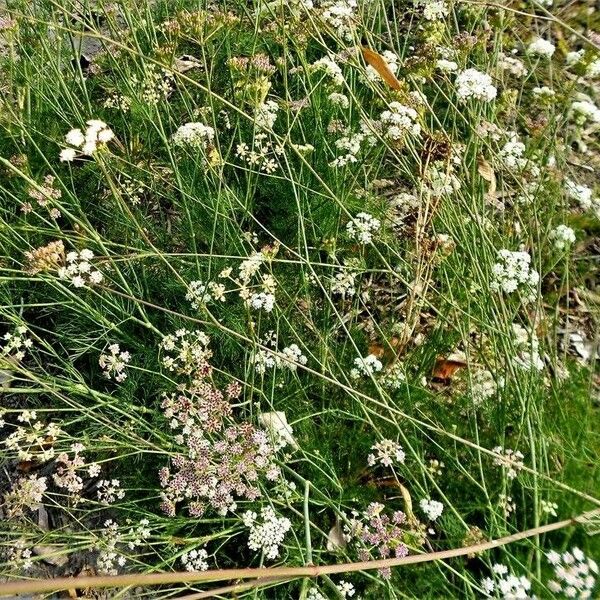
x=391, y=60
x=541, y=47
x=512, y=153
x=265, y=115
x=262, y=301
x=512, y=65
x=137, y=535
x=445, y=65
x=16, y=344
x=549, y=508
x=507, y=504
x=574, y=57
x=263, y=153
x=366, y=366
x=394, y=377
x=483, y=386
x=331, y=69
x=574, y=574
x=67, y=473
x=510, y=460
x=513, y=273
x=315, y=594
x=472, y=83
x=350, y=144
x=543, y=92
x=97, y=134
x=433, y=10
x=432, y=509
x=346, y=589
x=30, y=440
x=114, y=363
x=339, y=15
x=593, y=69
x=528, y=349
x=584, y=110
x=20, y=555
x=583, y=195
x=563, y=236
x=248, y=270
x=340, y=100
x=186, y=351
x=109, y=559
x=109, y=491
x=386, y=453
x=505, y=585
x=26, y=493
x=194, y=135
x=399, y=120
x=79, y=269
x=200, y=293
x=344, y=283
x=289, y=358
x=195, y=560
x=268, y=535
x=362, y=227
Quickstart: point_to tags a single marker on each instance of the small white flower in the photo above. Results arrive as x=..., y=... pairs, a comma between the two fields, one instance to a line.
x=584, y=110
x=387, y=452
x=195, y=560
x=366, y=366
x=431, y=508
x=194, y=135
x=513, y=273
x=331, y=69
x=268, y=535
x=262, y=301
x=447, y=66
x=541, y=47
x=338, y=99
x=472, y=83
x=67, y=154
x=346, y=589
x=563, y=237
x=399, y=120
x=75, y=137
x=362, y=228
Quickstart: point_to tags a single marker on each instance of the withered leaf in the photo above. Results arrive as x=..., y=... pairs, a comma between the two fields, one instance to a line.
x=335, y=538
x=445, y=368
x=487, y=173
x=378, y=63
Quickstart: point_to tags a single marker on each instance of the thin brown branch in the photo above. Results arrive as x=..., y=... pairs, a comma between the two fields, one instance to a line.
x=234, y=589
x=263, y=574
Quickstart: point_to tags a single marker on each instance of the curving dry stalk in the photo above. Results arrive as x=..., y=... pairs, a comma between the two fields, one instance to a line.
x=263, y=575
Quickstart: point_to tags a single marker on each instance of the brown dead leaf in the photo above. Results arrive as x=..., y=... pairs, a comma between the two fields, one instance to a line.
x=376, y=349
x=335, y=539
x=379, y=64
x=187, y=62
x=487, y=172
x=445, y=368
x=26, y=466
x=408, y=506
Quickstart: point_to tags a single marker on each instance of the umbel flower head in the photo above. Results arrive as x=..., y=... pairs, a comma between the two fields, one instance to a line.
x=86, y=143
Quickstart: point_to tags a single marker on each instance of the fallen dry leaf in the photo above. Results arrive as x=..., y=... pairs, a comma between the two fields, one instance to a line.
x=378, y=63
x=445, y=368
x=335, y=538
x=487, y=172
